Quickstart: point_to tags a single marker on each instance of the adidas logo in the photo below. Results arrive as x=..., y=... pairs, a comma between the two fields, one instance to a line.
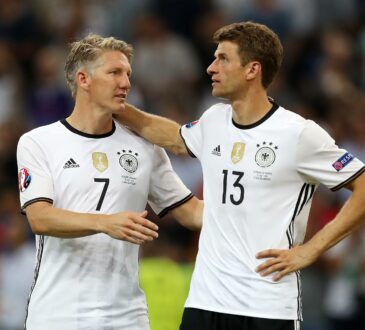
x=71, y=164
x=217, y=151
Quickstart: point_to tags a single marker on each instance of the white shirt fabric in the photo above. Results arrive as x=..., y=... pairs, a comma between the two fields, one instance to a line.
x=259, y=181
x=91, y=282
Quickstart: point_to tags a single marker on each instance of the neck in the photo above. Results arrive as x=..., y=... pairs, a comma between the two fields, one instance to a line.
x=251, y=107
x=88, y=119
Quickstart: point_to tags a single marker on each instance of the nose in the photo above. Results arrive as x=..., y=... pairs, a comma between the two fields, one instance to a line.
x=125, y=82
x=212, y=68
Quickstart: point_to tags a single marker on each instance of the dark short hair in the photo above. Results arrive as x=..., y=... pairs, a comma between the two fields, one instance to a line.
x=256, y=42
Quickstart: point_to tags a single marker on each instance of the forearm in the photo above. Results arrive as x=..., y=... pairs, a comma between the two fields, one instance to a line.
x=158, y=130
x=127, y=226
x=350, y=217
x=50, y=221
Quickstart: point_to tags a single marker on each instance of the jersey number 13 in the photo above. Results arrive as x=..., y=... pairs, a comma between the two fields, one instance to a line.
x=236, y=185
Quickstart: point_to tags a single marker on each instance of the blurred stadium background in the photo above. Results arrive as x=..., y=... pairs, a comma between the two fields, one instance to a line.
x=323, y=78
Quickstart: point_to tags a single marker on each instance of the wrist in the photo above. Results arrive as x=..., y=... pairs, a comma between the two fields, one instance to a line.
x=98, y=223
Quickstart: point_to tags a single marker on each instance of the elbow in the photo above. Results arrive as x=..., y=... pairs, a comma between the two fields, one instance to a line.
x=36, y=220
x=193, y=226
x=36, y=226
x=179, y=150
x=196, y=222
x=196, y=226
x=177, y=146
x=189, y=223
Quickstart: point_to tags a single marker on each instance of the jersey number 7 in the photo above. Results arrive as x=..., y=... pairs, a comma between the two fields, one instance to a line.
x=103, y=193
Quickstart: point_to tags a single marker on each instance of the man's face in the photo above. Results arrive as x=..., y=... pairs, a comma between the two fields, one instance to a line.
x=228, y=75
x=109, y=81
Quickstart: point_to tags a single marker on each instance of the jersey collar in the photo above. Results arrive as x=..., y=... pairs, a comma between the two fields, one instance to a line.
x=92, y=136
x=260, y=121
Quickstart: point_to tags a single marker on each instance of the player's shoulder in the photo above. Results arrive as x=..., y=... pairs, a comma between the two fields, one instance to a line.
x=41, y=133
x=290, y=116
x=289, y=119
x=217, y=111
x=132, y=138
x=307, y=128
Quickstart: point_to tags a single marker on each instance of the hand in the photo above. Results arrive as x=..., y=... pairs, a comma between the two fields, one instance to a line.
x=284, y=261
x=132, y=227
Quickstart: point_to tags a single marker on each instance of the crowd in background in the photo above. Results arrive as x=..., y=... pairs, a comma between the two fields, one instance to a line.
x=322, y=78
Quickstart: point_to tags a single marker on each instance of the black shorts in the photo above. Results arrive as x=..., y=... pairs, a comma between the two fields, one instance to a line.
x=198, y=319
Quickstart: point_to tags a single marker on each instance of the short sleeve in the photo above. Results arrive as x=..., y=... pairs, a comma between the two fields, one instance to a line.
x=320, y=160
x=34, y=178
x=192, y=135
x=166, y=189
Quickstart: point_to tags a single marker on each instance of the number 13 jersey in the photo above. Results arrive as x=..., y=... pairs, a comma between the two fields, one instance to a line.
x=259, y=181
x=91, y=282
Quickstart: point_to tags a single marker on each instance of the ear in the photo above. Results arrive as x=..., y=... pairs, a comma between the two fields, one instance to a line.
x=253, y=70
x=83, y=79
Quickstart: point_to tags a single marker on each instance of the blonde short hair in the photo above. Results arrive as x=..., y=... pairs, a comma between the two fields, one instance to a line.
x=87, y=50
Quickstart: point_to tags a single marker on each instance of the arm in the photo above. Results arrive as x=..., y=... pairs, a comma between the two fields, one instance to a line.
x=189, y=214
x=350, y=217
x=133, y=227
x=158, y=130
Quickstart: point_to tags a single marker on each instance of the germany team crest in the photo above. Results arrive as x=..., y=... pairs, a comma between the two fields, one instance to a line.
x=265, y=155
x=128, y=160
x=238, y=151
x=100, y=161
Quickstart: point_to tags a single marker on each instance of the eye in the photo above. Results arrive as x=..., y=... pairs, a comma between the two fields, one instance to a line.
x=223, y=58
x=114, y=72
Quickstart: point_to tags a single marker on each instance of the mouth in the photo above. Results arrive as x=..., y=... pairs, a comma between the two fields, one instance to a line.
x=215, y=82
x=121, y=97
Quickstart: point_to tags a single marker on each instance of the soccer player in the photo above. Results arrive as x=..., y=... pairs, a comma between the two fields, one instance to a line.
x=84, y=184
x=261, y=165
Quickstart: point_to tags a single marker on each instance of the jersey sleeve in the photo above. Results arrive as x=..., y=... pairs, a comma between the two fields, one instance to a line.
x=320, y=160
x=192, y=135
x=34, y=178
x=166, y=189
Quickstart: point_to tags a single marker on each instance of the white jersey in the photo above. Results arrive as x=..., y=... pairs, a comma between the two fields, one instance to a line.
x=259, y=181
x=91, y=282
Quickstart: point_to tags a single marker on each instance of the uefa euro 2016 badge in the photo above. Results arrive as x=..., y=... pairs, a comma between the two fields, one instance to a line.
x=24, y=179
x=265, y=155
x=128, y=160
x=190, y=125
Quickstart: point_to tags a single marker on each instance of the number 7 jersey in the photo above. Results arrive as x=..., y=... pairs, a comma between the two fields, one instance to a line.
x=91, y=282
x=259, y=181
